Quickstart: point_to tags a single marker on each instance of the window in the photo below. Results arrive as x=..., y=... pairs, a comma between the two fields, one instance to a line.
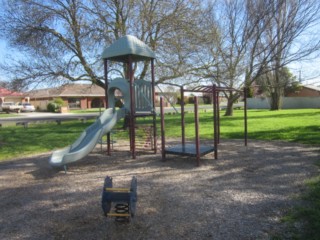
x=74, y=103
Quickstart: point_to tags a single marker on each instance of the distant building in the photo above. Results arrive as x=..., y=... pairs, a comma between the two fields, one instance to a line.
x=306, y=91
x=75, y=96
x=307, y=96
x=11, y=96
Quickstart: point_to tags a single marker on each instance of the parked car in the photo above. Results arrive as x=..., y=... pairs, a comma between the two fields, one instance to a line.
x=10, y=107
x=27, y=107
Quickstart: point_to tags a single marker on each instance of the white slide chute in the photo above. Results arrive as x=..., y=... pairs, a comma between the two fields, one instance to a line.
x=88, y=139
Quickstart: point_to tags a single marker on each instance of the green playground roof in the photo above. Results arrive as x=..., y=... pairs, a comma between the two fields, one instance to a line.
x=128, y=45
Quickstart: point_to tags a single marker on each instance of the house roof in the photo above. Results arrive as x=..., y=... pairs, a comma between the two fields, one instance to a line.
x=69, y=90
x=128, y=45
x=312, y=87
x=7, y=93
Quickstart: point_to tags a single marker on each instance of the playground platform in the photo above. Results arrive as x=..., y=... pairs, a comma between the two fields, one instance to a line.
x=188, y=150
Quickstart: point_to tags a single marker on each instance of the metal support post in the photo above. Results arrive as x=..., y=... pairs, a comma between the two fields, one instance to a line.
x=196, y=122
x=163, y=138
x=215, y=121
x=154, y=107
x=183, y=138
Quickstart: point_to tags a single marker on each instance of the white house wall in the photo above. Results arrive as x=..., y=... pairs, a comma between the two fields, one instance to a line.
x=288, y=103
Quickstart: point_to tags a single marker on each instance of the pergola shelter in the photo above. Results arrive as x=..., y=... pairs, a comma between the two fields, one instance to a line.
x=197, y=150
x=129, y=50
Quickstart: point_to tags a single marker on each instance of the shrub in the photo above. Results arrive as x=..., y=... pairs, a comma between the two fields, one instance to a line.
x=51, y=107
x=59, y=102
x=191, y=100
x=55, y=105
x=185, y=100
x=206, y=100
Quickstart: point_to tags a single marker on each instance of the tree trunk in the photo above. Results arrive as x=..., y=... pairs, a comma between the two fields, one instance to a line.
x=229, y=110
x=275, y=99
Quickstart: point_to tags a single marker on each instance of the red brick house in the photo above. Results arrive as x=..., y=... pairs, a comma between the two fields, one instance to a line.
x=81, y=96
x=10, y=96
x=306, y=91
x=307, y=96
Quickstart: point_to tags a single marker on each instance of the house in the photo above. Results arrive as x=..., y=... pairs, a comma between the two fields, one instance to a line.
x=11, y=96
x=306, y=91
x=81, y=96
x=308, y=96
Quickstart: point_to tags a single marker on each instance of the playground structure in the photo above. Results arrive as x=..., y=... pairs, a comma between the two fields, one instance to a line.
x=138, y=95
x=144, y=138
x=137, y=98
x=123, y=200
x=197, y=150
x=138, y=101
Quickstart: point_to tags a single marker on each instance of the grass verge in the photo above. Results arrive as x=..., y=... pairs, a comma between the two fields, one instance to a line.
x=301, y=126
x=304, y=221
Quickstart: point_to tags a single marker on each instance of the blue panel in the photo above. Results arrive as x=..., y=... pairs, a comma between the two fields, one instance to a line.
x=188, y=150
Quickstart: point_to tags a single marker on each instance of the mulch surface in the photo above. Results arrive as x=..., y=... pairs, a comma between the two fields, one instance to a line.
x=241, y=195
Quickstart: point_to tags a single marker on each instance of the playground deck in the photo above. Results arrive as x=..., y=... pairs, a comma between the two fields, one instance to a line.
x=188, y=150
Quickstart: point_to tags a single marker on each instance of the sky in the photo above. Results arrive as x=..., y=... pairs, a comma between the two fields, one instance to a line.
x=308, y=72
x=3, y=52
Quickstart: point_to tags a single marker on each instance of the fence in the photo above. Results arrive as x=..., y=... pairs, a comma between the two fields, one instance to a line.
x=287, y=103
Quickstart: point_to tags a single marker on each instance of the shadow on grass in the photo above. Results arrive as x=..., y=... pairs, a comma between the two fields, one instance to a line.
x=305, y=135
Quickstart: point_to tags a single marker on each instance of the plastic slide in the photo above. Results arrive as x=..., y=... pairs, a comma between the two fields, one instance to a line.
x=88, y=139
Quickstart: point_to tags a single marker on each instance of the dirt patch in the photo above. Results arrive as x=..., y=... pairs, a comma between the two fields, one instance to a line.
x=242, y=195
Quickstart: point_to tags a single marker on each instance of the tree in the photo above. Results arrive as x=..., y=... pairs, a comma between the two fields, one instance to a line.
x=54, y=39
x=235, y=33
x=230, y=43
x=256, y=37
x=290, y=21
x=61, y=40
x=275, y=84
x=4, y=84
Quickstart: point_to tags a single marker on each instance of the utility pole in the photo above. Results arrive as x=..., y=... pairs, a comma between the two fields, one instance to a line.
x=300, y=80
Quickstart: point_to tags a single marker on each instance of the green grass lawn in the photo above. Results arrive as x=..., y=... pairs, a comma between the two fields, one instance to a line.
x=301, y=125
x=6, y=115
x=16, y=141
x=91, y=110
x=308, y=214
